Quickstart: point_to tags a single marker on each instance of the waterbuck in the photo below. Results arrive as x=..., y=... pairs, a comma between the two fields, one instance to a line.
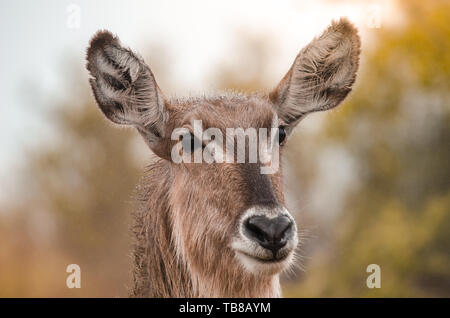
x=216, y=229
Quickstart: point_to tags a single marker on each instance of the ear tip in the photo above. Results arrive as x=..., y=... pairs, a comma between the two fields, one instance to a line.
x=345, y=27
x=99, y=40
x=103, y=37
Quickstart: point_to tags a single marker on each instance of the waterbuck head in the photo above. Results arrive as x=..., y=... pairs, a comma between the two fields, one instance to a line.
x=227, y=211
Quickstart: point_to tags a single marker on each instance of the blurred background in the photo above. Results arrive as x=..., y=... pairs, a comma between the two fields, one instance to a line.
x=369, y=182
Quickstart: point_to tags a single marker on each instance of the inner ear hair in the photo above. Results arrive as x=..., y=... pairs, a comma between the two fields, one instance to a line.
x=322, y=74
x=124, y=86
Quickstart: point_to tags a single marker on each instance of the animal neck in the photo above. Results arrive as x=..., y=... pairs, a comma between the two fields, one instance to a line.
x=160, y=272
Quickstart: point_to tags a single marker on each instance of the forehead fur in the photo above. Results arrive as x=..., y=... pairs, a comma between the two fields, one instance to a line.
x=225, y=111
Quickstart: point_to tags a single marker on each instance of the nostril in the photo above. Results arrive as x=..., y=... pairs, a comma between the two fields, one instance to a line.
x=257, y=229
x=282, y=226
x=272, y=234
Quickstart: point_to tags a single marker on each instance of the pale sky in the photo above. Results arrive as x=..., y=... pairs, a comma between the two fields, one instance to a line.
x=38, y=36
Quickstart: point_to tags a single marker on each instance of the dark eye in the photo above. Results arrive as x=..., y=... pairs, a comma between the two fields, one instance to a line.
x=190, y=143
x=281, y=134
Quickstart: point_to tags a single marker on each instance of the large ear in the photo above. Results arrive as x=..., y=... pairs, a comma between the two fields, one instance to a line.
x=322, y=74
x=125, y=88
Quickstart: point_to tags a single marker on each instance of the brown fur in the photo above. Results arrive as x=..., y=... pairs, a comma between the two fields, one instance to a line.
x=189, y=213
x=171, y=197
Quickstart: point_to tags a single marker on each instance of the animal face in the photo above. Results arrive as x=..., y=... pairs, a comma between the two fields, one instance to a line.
x=231, y=209
x=226, y=211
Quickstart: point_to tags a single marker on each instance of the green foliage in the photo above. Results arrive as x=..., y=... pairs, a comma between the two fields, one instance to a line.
x=82, y=183
x=396, y=125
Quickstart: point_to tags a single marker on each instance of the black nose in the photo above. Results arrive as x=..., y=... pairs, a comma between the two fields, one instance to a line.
x=272, y=234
